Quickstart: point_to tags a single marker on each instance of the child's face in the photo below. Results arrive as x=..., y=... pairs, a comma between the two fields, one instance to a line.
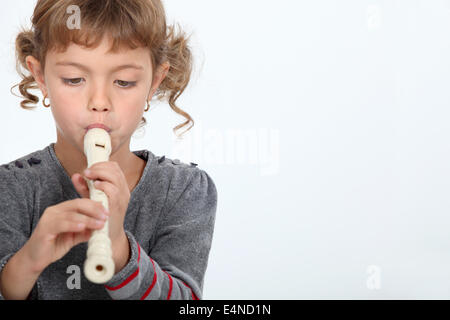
x=99, y=93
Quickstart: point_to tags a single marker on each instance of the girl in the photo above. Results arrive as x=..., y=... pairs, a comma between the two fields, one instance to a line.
x=99, y=63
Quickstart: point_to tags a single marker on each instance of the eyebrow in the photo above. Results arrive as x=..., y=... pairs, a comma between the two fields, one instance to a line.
x=80, y=66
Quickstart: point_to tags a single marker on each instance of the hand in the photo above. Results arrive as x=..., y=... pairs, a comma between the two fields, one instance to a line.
x=114, y=184
x=60, y=228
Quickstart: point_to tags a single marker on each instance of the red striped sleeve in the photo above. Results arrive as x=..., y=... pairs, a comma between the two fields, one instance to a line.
x=130, y=278
x=147, y=292
x=153, y=282
x=194, y=297
x=171, y=285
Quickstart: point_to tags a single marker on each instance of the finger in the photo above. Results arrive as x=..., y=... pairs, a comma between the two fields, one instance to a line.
x=63, y=226
x=89, y=222
x=88, y=207
x=83, y=182
x=80, y=185
x=107, y=172
x=109, y=189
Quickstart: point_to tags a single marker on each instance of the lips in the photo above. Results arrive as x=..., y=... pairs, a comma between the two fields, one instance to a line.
x=98, y=125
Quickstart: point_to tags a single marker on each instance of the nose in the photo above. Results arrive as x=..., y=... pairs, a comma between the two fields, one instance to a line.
x=99, y=101
x=99, y=109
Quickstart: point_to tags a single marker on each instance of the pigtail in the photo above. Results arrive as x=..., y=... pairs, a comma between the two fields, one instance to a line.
x=25, y=47
x=179, y=56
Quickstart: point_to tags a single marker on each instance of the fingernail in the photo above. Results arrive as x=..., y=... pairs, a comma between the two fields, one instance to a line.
x=87, y=172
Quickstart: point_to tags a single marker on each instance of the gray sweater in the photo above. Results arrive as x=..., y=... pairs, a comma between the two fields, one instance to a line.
x=169, y=224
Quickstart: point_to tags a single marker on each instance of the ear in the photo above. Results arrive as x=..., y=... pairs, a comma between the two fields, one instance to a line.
x=36, y=71
x=160, y=74
x=164, y=70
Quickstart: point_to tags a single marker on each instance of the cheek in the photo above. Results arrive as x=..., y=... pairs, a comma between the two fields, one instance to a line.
x=65, y=101
x=130, y=114
x=62, y=96
x=62, y=100
x=65, y=109
x=131, y=105
x=66, y=118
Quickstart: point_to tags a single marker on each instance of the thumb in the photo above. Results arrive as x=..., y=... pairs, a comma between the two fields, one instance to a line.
x=80, y=185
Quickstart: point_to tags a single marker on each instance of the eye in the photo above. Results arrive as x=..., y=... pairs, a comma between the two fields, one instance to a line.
x=121, y=83
x=125, y=84
x=72, y=82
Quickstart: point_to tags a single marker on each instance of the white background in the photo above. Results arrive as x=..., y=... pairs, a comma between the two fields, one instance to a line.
x=324, y=125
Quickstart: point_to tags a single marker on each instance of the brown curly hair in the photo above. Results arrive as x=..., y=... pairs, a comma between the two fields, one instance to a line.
x=130, y=23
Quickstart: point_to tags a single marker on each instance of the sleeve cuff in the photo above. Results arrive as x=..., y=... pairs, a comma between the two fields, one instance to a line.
x=130, y=271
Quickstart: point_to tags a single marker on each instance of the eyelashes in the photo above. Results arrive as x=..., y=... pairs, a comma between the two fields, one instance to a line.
x=128, y=84
x=69, y=81
x=76, y=81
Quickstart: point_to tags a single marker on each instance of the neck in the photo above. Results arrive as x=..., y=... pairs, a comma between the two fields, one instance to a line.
x=73, y=159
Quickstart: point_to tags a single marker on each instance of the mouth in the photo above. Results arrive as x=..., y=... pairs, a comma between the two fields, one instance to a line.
x=98, y=125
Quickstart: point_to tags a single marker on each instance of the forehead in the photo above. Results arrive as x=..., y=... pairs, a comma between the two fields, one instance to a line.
x=101, y=55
